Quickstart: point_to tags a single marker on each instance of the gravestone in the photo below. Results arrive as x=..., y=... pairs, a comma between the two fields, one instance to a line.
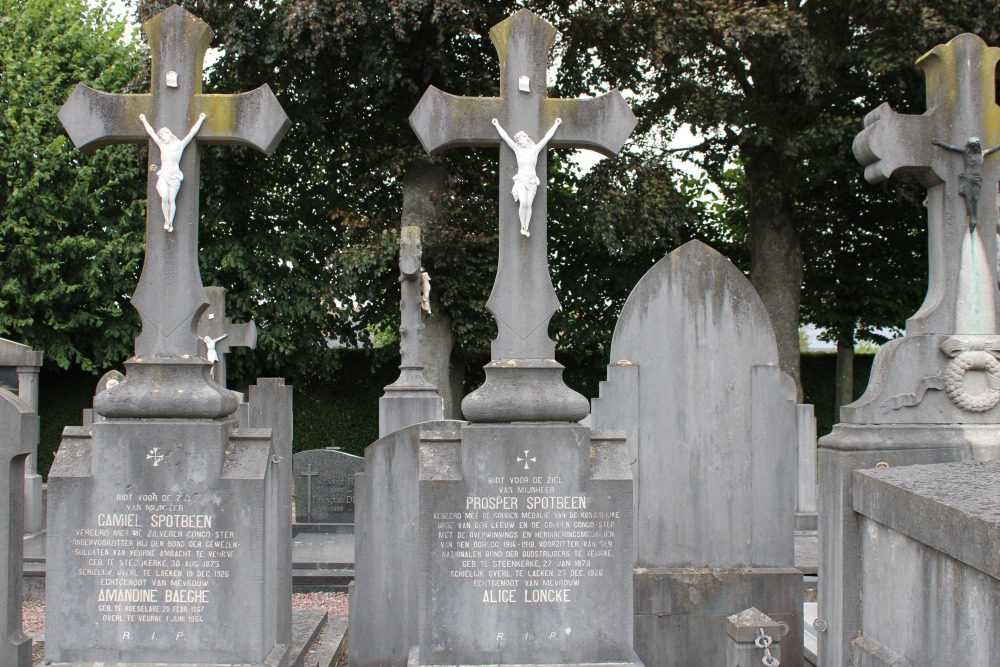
x=324, y=482
x=166, y=519
x=223, y=334
x=411, y=399
x=19, y=370
x=18, y=439
x=711, y=425
x=524, y=519
x=932, y=396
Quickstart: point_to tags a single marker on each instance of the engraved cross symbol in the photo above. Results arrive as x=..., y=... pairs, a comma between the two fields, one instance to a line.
x=962, y=280
x=309, y=474
x=170, y=295
x=523, y=299
x=155, y=456
x=525, y=459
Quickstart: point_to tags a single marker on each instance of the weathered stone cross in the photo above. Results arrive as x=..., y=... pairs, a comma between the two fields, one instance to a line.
x=962, y=282
x=218, y=327
x=523, y=380
x=170, y=295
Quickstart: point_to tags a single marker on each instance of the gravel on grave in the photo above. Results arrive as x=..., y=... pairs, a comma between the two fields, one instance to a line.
x=334, y=604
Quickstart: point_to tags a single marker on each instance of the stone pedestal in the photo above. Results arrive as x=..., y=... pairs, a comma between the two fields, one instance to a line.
x=163, y=546
x=525, y=547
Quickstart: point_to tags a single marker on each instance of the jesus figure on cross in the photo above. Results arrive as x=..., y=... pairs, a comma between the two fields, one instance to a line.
x=525, y=180
x=169, y=177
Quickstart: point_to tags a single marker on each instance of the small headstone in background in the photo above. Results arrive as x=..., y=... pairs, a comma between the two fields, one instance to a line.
x=711, y=425
x=18, y=439
x=224, y=334
x=324, y=485
x=19, y=370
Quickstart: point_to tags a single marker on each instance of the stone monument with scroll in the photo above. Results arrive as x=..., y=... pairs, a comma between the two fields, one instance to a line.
x=933, y=395
x=524, y=517
x=163, y=515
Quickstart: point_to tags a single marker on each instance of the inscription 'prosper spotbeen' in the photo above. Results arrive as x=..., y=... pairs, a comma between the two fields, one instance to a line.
x=155, y=559
x=528, y=539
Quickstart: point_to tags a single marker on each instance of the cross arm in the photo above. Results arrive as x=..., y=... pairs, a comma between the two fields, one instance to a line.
x=442, y=121
x=602, y=124
x=94, y=119
x=894, y=143
x=253, y=119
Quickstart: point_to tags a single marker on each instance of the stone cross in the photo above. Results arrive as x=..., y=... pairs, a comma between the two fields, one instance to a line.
x=215, y=324
x=523, y=380
x=962, y=281
x=170, y=295
x=410, y=310
x=309, y=474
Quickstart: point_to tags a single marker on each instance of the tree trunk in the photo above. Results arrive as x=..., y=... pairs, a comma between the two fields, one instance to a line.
x=844, y=389
x=423, y=185
x=776, y=271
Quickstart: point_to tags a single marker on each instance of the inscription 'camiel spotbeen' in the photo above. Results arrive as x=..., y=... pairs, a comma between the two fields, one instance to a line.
x=154, y=562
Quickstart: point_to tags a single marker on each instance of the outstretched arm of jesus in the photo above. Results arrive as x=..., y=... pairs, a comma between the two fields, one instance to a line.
x=504, y=135
x=149, y=130
x=194, y=131
x=548, y=135
x=991, y=151
x=948, y=146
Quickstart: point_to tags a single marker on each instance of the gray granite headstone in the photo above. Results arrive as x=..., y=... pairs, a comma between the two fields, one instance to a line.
x=711, y=424
x=933, y=394
x=19, y=369
x=324, y=485
x=18, y=439
x=524, y=530
x=168, y=526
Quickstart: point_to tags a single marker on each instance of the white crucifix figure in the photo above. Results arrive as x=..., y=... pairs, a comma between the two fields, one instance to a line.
x=169, y=176
x=525, y=180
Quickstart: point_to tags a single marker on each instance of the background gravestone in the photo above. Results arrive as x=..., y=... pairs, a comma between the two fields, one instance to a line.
x=324, y=486
x=170, y=524
x=18, y=439
x=711, y=424
x=932, y=395
x=19, y=370
x=411, y=399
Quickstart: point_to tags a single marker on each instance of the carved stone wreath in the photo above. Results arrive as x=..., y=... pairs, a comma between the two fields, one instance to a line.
x=954, y=377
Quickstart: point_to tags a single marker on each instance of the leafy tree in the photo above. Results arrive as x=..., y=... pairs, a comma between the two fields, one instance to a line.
x=779, y=88
x=71, y=226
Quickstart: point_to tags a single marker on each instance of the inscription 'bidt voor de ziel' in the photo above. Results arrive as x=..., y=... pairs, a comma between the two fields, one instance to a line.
x=529, y=542
x=154, y=562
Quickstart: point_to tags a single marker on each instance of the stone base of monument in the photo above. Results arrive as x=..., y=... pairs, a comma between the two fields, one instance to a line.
x=403, y=406
x=162, y=537
x=680, y=613
x=414, y=661
x=525, y=544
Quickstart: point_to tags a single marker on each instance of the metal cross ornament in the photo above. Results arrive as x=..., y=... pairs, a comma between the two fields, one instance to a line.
x=523, y=380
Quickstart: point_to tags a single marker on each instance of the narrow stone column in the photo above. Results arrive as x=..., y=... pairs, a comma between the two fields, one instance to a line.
x=742, y=646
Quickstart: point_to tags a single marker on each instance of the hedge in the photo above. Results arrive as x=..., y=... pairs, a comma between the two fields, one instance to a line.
x=344, y=411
